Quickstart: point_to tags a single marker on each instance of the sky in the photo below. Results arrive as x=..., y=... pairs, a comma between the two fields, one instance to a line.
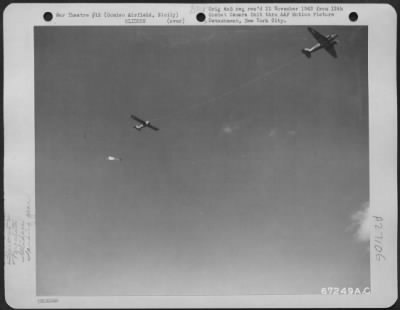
x=253, y=185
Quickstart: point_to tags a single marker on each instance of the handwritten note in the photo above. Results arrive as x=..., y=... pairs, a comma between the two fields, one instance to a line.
x=17, y=240
x=378, y=239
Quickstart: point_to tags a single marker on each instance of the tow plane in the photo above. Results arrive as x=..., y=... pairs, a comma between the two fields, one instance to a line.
x=143, y=124
x=324, y=42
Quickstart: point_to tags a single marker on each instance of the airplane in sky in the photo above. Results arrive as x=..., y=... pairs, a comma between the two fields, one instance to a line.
x=327, y=42
x=143, y=124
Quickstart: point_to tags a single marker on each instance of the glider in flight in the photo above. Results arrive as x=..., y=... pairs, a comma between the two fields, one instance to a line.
x=143, y=124
x=327, y=42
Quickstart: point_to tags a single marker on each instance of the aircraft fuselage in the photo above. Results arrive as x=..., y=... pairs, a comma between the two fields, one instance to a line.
x=143, y=124
x=331, y=41
x=324, y=42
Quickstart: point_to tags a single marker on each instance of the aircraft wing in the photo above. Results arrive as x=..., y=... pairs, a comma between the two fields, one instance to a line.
x=319, y=37
x=137, y=119
x=153, y=127
x=331, y=50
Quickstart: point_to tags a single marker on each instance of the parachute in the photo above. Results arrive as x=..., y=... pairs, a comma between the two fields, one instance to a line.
x=113, y=158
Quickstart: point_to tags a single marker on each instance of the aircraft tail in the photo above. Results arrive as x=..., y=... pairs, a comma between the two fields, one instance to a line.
x=306, y=52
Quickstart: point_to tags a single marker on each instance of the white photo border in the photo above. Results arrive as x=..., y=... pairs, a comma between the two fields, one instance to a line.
x=19, y=158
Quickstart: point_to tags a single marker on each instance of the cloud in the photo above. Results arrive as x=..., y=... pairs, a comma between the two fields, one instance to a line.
x=272, y=132
x=360, y=223
x=227, y=129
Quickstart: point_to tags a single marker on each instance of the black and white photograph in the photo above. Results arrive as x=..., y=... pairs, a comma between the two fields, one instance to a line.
x=199, y=160
x=192, y=161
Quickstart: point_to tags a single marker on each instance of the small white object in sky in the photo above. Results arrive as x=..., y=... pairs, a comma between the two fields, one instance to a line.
x=292, y=132
x=113, y=158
